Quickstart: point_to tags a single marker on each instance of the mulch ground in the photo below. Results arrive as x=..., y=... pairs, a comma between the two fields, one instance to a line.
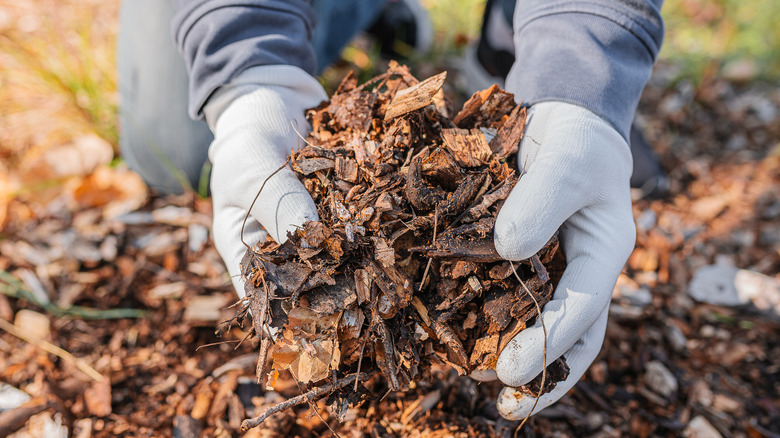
x=669, y=366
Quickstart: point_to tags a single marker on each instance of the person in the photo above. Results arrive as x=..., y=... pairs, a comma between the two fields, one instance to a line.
x=249, y=70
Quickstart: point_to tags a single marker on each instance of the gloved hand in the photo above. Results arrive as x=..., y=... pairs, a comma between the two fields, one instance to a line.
x=252, y=119
x=576, y=173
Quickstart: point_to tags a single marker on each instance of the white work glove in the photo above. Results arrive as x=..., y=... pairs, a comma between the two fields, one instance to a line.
x=252, y=119
x=576, y=173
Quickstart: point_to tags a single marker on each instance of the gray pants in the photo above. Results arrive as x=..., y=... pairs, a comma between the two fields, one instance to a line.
x=157, y=139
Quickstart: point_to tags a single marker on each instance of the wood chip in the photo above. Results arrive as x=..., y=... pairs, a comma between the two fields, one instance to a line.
x=415, y=97
x=467, y=146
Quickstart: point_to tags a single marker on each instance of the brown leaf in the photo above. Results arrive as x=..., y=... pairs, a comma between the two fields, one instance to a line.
x=309, y=347
x=116, y=190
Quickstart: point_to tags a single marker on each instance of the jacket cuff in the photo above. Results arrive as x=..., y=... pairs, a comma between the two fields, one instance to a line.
x=219, y=39
x=598, y=55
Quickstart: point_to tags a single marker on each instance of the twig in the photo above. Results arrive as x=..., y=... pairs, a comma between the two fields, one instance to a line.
x=544, y=357
x=294, y=124
x=360, y=361
x=213, y=344
x=53, y=349
x=433, y=242
x=312, y=395
x=265, y=342
x=252, y=205
x=315, y=410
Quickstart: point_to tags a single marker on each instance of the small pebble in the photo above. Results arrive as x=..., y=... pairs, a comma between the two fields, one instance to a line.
x=699, y=427
x=660, y=379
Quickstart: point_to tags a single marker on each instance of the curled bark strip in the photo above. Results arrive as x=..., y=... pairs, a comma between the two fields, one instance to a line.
x=422, y=197
x=450, y=339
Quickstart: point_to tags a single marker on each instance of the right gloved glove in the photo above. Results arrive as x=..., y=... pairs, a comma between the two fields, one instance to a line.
x=252, y=119
x=576, y=170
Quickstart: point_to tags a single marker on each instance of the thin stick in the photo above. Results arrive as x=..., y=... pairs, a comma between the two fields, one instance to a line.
x=360, y=362
x=428, y=266
x=230, y=341
x=248, y=212
x=544, y=357
x=314, y=394
x=316, y=411
x=53, y=349
x=294, y=124
x=265, y=342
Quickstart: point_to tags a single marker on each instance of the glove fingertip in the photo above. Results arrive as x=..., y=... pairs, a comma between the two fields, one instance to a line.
x=512, y=370
x=516, y=236
x=513, y=404
x=483, y=375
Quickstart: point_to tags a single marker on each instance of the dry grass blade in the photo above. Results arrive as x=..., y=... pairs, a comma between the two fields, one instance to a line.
x=251, y=206
x=53, y=349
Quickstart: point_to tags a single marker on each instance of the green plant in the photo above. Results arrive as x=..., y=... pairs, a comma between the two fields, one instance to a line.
x=705, y=36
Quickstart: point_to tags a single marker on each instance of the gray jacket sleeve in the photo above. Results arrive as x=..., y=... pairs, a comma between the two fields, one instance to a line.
x=219, y=39
x=597, y=54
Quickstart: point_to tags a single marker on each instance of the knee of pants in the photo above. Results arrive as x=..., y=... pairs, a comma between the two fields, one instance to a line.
x=157, y=138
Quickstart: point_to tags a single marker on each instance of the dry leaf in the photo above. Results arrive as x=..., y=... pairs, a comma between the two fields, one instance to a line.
x=116, y=190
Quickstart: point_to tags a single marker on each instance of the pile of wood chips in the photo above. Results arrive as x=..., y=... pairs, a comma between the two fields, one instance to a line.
x=400, y=272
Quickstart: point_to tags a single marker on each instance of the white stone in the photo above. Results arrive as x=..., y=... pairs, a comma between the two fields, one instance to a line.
x=34, y=324
x=699, y=427
x=660, y=379
x=728, y=286
x=714, y=284
x=11, y=398
x=676, y=337
x=198, y=236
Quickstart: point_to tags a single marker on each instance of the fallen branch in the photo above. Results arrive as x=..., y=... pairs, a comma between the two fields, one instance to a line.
x=310, y=396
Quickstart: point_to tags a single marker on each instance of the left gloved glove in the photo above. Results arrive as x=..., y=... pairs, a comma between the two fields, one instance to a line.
x=254, y=118
x=576, y=177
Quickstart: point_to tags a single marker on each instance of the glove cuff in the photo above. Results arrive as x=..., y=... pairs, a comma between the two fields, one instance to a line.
x=301, y=91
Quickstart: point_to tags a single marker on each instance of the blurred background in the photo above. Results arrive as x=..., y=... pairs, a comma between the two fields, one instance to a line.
x=59, y=81
x=85, y=248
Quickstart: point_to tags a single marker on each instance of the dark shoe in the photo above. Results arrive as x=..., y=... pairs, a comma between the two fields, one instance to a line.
x=484, y=64
x=648, y=179
x=403, y=28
